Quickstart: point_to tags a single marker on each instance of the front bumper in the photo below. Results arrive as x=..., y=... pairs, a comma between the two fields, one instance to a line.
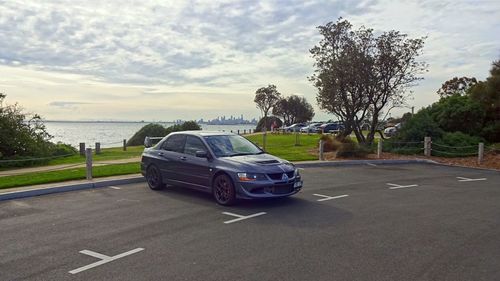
x=268, y=189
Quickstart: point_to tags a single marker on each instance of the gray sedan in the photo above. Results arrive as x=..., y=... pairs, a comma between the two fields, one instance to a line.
x=224, y=164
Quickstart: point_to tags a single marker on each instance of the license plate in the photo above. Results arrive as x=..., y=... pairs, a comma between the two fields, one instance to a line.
x=297, y=184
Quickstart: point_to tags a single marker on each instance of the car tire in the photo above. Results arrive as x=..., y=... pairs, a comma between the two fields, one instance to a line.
x=153, y=177
x=223, y=190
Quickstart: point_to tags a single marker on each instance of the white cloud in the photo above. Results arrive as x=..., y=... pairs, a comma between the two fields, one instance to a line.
x=194, y=54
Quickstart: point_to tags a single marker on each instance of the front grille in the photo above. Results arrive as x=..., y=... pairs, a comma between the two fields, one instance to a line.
x=284, y=189
x=279, y=176
x=276, y=177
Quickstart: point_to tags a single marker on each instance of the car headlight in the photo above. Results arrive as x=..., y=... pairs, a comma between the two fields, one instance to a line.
x=296, y=173
x=251, y=177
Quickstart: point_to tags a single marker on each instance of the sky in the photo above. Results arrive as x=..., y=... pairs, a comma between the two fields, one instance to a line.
x=168, y=60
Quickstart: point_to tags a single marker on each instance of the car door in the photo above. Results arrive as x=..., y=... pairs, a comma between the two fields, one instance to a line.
x=195, y=170
x=172, y=151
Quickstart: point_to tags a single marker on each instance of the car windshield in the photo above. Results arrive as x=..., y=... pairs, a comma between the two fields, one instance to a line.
x=231, y=145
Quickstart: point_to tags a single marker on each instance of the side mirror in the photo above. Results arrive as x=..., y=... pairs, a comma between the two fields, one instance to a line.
x=201, y=154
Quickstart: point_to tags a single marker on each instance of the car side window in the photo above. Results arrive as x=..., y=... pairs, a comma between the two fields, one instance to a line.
x=175, y=143
x=194, y=144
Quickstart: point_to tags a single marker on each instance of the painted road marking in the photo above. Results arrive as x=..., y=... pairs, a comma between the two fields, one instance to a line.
x=396, y=186
x=371, y=164
x=467, y=179
x=115, y=187
x=240, y=217
x=103, y=259
x=326, y=197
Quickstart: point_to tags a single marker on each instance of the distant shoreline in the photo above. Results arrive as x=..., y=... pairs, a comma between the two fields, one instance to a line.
x=136, y=122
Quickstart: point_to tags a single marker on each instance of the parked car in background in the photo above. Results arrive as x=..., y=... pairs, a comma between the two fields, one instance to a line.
x=227, y=165
x=392, y=130
x=294, y=127
x=311, y=128
x=330, y=128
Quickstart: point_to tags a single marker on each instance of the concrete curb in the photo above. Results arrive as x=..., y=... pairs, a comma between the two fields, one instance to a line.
x=65, y=187
x=104, y=182
x=313, y=164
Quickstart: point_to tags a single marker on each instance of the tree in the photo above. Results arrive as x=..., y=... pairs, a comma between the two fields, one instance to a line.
x=456, y=85
x=487, y=93
x=294, y=109
x=266, y=98
x=358, y=74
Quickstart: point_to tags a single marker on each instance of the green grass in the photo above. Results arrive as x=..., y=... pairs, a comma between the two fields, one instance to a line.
x=115, y=153
x=66, y=175
x=283, y=146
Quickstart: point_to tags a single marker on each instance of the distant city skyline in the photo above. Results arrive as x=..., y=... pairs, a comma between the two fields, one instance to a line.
x=167, y=60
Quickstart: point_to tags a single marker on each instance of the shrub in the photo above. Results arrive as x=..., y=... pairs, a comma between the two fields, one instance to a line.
x=157, y=130
x=150, y=130
x=270, y=121
x=60, y=148
x=186, y=126
x=491, y=132
x=420, y=126
x=455, y=144
x=330, y=143
x=351, y=148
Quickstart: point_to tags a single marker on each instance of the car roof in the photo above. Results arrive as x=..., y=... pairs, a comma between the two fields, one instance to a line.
x=202, y=133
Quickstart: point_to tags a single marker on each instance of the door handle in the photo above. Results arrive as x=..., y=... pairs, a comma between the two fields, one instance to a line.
x=183, y=158
x=160, y=153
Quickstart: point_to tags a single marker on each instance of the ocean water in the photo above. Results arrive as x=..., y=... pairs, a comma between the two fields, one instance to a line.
x=111, y=134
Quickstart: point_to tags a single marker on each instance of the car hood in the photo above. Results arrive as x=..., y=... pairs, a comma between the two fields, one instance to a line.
x=262, y=163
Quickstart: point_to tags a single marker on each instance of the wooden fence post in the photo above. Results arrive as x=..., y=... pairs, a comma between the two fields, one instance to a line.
x=82, y=148
x=379, y=148
x=97, y=148
x=480, y=153
x=88, y=156
x=321, y=150
x=124, y=145
x=427, y=146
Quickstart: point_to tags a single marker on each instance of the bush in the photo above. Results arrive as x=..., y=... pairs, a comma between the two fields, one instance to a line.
x=455, y=144
x=330, y=143
x=186, y=126
x=150, y=130
x=21, y=134
x=491, y=132
x=60, y=149
x=270, y=121
x=458, y=113
x=421, y=125
x=351, y=148
x=157, y=130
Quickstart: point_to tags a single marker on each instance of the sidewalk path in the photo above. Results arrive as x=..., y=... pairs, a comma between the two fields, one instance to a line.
x=66, y=166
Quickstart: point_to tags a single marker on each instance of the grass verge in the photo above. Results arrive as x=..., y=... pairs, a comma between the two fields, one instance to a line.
x=283, y=146
x=66, y=175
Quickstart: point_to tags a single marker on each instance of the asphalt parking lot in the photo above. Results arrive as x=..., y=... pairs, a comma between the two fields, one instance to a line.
x=387, y=222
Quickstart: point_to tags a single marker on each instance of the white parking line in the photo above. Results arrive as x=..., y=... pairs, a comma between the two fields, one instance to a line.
x=371, y=164
x=467, y=179
x=115, y=187
x=326, y=197
x=103, y=259
x=240, y=217
x=397, y=186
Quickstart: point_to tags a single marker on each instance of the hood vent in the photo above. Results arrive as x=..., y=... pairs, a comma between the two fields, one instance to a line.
x=267, y=162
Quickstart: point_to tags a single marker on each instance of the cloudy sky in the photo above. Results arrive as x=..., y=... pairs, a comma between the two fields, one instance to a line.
x=165, y=60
